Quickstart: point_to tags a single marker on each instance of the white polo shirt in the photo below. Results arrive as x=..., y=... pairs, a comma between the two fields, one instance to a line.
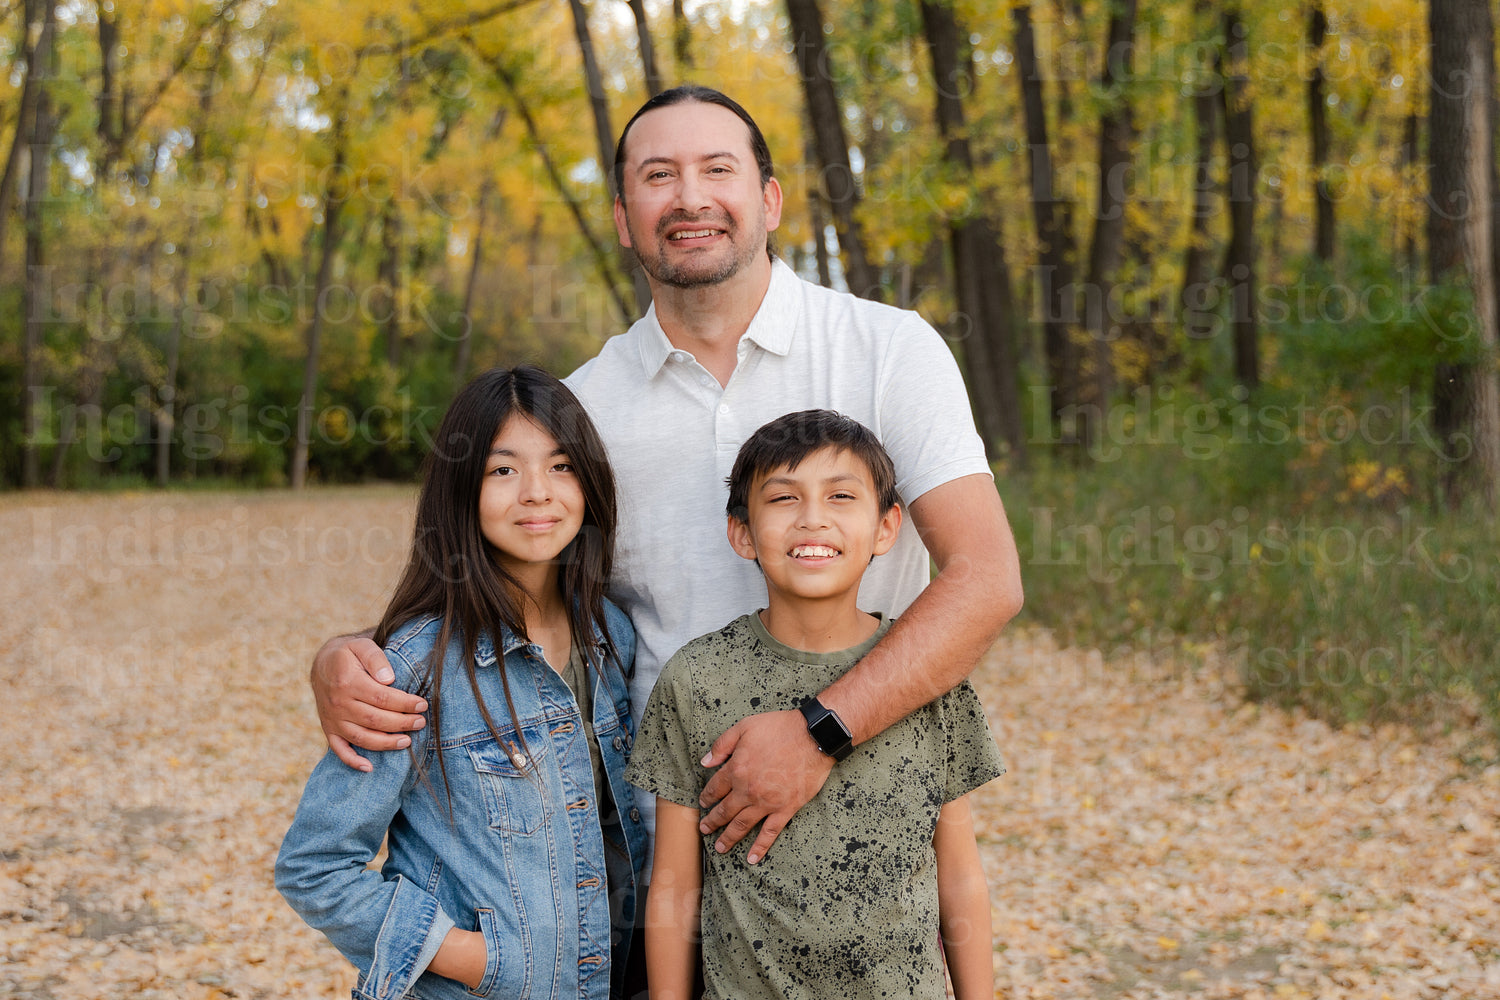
x=673, y=432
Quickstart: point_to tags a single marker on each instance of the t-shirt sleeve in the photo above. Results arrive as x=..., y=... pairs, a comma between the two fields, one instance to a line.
x=666, y=755
x=925, y=420
x=973, y=758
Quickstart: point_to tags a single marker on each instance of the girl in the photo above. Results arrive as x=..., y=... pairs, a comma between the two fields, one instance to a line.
x=514, y=843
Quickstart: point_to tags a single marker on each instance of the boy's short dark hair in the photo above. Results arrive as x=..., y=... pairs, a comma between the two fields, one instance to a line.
x=786, y=441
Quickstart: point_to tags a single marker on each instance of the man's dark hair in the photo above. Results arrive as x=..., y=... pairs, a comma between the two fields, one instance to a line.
x=786, y=441
x=703, y=95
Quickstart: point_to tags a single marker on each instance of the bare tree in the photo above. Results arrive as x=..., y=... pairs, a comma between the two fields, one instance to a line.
x=1322, y=139
x=980, y=276
x=831, y=143
x=1116, y=135
x=334, y=196
x=1460, y=236
x=1053, y=215
x=1240, y=259
x=42, y=129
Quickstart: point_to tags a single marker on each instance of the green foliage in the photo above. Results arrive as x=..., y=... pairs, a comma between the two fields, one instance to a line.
x=1302, y=559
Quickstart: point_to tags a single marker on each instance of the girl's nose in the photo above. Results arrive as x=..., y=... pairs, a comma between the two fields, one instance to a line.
x=534, y=489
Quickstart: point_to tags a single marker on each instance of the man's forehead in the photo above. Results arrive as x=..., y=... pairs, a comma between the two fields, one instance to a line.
x=687, y=131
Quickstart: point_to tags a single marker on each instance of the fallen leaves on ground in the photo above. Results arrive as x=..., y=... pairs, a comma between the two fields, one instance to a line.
x=1154, y=836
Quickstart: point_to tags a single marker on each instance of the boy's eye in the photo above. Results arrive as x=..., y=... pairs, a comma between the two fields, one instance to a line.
x=843, y=496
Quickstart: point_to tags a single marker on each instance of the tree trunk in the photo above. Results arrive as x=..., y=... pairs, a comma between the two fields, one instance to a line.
x=1410, y=160
x=604, y=133
x=333, y=203
x=831, y=143
x=980, y=275
x=1116, y=134
x=648, y=48
x=1240, y=260
x=390, y=282
x=1317, y=118
x=1053, y=216
x=682, y=38
x=1460, y=237
x=43, y=11
x=34, y=291
x=1197, y=299
x=466, y=339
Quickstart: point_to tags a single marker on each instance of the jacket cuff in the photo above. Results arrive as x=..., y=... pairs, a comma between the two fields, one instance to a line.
x=404, y=946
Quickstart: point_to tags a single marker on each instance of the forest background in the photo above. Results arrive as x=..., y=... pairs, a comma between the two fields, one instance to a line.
x=1221, y=276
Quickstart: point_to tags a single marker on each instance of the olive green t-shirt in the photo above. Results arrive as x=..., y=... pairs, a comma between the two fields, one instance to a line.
x=845, y=905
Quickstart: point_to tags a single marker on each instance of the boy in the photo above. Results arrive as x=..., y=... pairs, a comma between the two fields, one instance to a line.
x=883, y=860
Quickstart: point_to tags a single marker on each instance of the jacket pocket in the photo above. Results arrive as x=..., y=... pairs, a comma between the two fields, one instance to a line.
x=515, y=793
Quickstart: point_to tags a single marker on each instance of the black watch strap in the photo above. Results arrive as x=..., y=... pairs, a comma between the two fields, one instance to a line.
x=827, y=729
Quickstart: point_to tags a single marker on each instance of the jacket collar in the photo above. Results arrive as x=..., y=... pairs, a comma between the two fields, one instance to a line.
x=484, y=649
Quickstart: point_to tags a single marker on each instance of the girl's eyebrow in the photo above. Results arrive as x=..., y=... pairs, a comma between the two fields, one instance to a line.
x=508, y=453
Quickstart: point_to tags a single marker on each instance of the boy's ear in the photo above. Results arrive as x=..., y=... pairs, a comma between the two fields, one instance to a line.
x=739, y=538
x=887, y=530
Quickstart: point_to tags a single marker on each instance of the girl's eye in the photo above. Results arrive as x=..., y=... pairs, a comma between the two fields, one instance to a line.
x=563, y=467
x=502, y=470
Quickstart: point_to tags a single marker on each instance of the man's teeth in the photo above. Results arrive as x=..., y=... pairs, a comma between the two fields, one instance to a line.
x=814, y=552
x=692, y=234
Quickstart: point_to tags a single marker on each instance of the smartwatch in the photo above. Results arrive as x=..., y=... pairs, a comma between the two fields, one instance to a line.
x=827, y=729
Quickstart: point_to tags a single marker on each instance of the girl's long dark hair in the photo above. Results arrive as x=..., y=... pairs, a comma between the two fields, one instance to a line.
x=453, y=572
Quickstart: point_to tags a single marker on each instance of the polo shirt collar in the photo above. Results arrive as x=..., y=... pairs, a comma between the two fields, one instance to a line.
x=772, y=328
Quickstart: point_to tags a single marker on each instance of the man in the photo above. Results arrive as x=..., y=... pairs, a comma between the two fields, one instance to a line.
x=734, y=339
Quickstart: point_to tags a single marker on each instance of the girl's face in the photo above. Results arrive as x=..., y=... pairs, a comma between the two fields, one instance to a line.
x=530, y=503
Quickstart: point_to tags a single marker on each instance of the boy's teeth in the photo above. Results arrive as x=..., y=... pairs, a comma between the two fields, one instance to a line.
x=814, y=551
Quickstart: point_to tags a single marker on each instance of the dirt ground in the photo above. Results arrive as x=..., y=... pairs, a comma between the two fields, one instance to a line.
x=1155, y=837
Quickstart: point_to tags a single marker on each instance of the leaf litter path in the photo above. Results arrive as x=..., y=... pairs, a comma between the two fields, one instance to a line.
x=1155, y=837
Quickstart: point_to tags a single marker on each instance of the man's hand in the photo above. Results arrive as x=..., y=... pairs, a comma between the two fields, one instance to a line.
x=773, y=769
x=350, y=678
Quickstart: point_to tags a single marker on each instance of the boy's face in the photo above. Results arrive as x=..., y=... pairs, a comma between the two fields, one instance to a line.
x=815, y=528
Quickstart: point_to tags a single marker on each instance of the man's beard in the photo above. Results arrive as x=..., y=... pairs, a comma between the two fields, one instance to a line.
x=693, y=274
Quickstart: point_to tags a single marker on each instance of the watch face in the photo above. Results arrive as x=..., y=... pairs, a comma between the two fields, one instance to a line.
x=830, y=734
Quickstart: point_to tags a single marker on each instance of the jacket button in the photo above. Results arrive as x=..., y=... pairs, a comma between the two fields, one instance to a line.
x=619, y=743
x=635, y=814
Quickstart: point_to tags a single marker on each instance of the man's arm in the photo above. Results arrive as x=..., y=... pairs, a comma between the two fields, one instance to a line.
x=773, y=767
x=964, y=904
x=673, y=903
x=350, y=680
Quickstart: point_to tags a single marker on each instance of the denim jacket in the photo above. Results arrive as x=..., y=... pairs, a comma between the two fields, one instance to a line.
x=522, y=857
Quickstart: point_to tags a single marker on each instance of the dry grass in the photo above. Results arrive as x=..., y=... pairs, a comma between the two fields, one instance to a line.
x=1155, y=837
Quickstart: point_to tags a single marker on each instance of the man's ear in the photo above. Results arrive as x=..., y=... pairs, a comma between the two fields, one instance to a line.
x=887, y=530
x=621, y=228
x=739, y=538
x=771, y=196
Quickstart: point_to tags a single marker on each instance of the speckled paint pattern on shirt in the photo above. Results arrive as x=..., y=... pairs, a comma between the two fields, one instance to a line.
x=845, y=905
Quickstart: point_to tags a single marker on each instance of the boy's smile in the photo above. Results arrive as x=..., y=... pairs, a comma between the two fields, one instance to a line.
x=815, y=528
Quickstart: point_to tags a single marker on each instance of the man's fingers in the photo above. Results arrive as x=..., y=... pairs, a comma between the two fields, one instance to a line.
x=370, y=739
x=769, y=831
x=738, y=828
x=717, y=787
x=392, y=700
x=372, y=658
x=723, y=747
x=344, y=752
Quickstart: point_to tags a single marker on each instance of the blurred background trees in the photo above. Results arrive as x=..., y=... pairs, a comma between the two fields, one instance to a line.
x=262, y=242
